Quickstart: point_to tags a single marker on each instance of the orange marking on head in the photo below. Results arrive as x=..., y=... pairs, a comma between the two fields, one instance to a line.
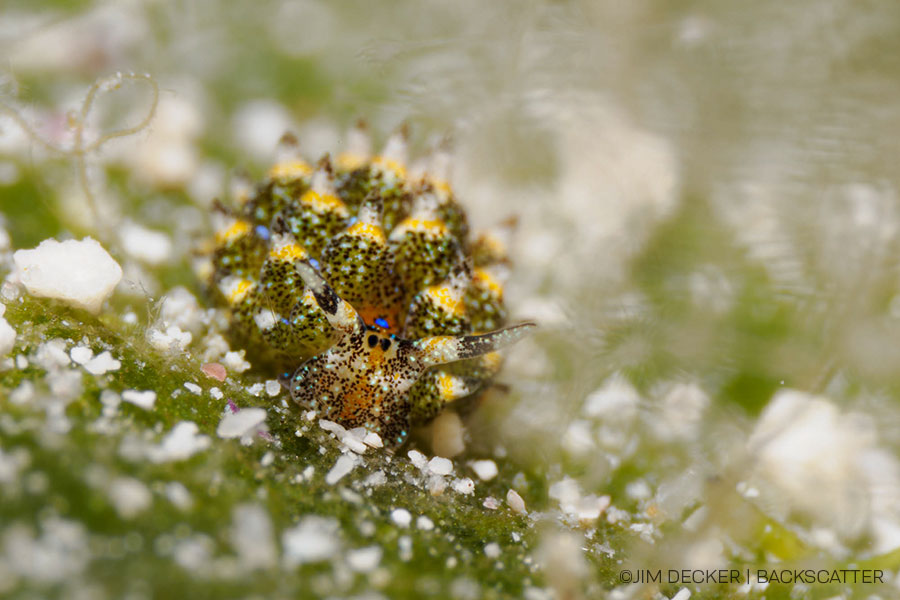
x=358, y=399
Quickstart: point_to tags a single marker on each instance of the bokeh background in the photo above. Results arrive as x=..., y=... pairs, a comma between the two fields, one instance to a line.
x=708, y=213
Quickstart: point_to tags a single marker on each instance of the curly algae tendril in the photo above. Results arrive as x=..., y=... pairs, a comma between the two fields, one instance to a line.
x=77, y=121
x=362, y=272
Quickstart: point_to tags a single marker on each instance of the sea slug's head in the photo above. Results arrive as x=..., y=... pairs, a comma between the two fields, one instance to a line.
x=364, y=379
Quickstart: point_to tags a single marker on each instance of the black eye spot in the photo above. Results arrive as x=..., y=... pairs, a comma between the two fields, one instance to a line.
x=373, y=339
x=385, y=343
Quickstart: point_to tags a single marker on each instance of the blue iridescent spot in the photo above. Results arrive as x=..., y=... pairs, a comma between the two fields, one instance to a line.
x=262, y=231
x=314, y=263
x=382, y=323
x=285, y=321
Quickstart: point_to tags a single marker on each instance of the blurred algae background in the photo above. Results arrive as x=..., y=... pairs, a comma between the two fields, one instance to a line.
x=708, y=218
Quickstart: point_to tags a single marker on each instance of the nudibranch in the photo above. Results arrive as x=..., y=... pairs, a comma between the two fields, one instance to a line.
x=363, y=278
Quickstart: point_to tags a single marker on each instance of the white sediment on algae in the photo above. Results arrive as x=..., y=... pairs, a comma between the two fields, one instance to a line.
x=344, y=464
x=314, y=539
x=151, y=247
x=7, y=334
x=811, y=458
x=79, y=273
x=251, y=535
x=364, y=560
x=145, y=399
x=246, y=421
x=129, y=496
x=485, y=469
x=182, y=442
x=102, y=363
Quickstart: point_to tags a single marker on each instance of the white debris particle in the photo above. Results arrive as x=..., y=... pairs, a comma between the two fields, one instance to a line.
x=314, y=539
x=404, y=545
x=561, y=556
x=266, y=319
x=22, y=394
x=273, y=388
x=491, y=503
x=234, y=361
x=616, y=400
x=258, y=125
x=492, y=550
x=352, y=439
x=342, y=467
x=180, y=307
x=364, y=560
x=80, y=273
x=173, y=339
x=7, y=337
x=144, y=399
x=267, y=459
x=216, y=393
x=129, y=496
x=436, y=484
x=102, y=363
x=515, y=502
x=424, y=523
x=51, y=355
x=578, y=438
x=193, y=553
x=21, y=360
x=373, y=440
x=81, y=354
x=152, y=247
x=251, y=535
x=61, y=553
x=335, y=428
x=485, y=469
x=11, y=463
x=110, y=400
x=683, y=594
x=440, y=466
x=245, y=422
x=367, y=528
x=193, y=388
x=375, y=479
x=638, y=490
x=179, y=444
x=256, y=389
x=179, y=495
x=464, y=486
x=418, y=459
x=401, y=517
x=447, y=434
